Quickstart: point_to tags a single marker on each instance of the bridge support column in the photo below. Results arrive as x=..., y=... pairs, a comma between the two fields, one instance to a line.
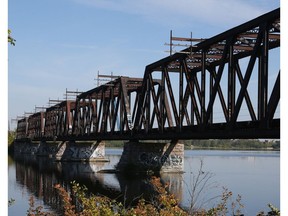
x=63, y=151
x=25, y=148
x=71, y=151
x=156, y=157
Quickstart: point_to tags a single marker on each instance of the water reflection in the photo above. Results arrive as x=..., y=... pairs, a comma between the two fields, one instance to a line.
x=38, y=177
x=235, y=170
x=40, y=174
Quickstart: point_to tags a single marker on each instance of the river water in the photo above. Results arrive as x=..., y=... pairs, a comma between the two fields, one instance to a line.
x=255, y=175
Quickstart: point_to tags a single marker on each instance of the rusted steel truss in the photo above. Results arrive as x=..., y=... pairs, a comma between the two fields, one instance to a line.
x=219, y=88
x=226, y=61
x=108, y=109
x=58, y=120
x=22, y=127
x=36, y=125
x=100, y=113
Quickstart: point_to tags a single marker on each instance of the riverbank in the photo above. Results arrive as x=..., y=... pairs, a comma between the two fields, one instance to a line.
x=231, y=148
x=220, y=144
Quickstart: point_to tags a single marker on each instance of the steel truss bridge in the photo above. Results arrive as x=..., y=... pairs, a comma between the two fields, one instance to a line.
x=223, y=87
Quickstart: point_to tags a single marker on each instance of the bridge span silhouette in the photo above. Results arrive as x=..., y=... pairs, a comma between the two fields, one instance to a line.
x=224, y=87
x=197, y=93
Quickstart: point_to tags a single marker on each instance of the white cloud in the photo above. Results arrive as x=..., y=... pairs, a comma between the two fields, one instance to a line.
x=205, y=11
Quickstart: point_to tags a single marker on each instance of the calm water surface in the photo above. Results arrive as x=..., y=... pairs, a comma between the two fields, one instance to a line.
x=255, y=175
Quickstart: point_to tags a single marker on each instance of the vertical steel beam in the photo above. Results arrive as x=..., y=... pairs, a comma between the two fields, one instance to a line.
x=68, y=117
x=263, y=76
x=75, y=119
x=112, y=107
x=231, y=80
x=95, y=120
x=210, y=120
x=203, y=86
x=180, y=98
x=105, y=113
x=98, y=127
x=147, y=121
x=126, y=101
x=162, y=99
x=90, y=117
x=42, y=123
x=115, y=114
x=121, y=112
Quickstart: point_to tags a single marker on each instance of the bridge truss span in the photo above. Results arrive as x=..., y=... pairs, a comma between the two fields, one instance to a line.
x=108, y=109
x=227, y=86
x=218, y=88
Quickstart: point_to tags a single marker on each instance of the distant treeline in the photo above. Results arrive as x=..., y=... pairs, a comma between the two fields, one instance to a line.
x=114, y=143
x=233, y=144
x=219, y=144
x=11, y=137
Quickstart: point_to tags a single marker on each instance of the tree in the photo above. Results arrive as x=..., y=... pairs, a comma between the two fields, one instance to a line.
x=10, y=39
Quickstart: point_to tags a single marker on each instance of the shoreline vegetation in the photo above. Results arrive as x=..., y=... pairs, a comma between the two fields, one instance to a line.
x=77, y=202
x=219, y=144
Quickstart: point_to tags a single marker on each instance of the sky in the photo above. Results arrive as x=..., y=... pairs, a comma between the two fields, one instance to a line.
x=62, y=44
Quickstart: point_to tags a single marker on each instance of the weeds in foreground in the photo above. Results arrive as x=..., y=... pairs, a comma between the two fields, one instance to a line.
x=200, y=183
x=11, y=202
x=78, y=203
x=36, y=211
x=222, y=208
x=274, y=211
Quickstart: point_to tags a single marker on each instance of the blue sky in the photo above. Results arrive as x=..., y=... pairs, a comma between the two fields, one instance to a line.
x=63, y=43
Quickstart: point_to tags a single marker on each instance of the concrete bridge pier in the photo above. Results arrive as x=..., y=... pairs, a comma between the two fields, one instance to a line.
x=71, y=151
x=64, y=151
x=25, y=148
x=147, y=156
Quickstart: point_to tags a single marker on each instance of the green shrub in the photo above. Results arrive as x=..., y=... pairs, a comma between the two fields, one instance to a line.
x=78, y=203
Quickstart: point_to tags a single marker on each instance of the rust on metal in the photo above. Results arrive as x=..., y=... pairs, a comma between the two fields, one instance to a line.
x=176, y=99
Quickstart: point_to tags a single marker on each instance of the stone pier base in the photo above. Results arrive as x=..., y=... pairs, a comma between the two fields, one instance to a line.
x=157, y=157
x=63, y=151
